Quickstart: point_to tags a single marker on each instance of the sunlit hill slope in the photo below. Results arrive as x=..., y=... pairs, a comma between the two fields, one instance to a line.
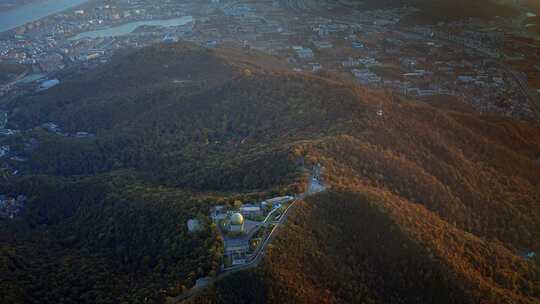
x=427, y=203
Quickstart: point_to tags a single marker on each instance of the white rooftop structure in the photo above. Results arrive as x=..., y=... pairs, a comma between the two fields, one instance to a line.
x=280, y=199
x=193, y=225
x=47, y=84
x=4, y=150
x=250, y=208
x=303, y=52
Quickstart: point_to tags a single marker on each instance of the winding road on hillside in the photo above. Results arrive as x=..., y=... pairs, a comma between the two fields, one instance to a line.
x=315, y=186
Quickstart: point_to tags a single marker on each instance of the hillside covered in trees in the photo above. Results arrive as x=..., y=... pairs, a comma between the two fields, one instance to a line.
x=428, y=203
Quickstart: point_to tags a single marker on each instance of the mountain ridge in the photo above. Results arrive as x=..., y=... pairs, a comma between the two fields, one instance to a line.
x=450, y=191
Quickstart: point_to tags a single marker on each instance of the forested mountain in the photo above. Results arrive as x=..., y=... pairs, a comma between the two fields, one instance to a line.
x=427, y=203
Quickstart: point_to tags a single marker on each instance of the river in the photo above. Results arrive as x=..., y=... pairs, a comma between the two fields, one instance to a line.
x=21, y=15
x=127, y=28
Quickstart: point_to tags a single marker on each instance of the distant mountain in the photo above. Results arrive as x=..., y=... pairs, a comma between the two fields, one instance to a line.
x=427, y=203
x=533, y=5
x=434, y=11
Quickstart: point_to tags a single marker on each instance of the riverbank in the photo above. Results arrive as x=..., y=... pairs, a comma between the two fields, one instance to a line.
x=127, y=28
x=24, y=14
